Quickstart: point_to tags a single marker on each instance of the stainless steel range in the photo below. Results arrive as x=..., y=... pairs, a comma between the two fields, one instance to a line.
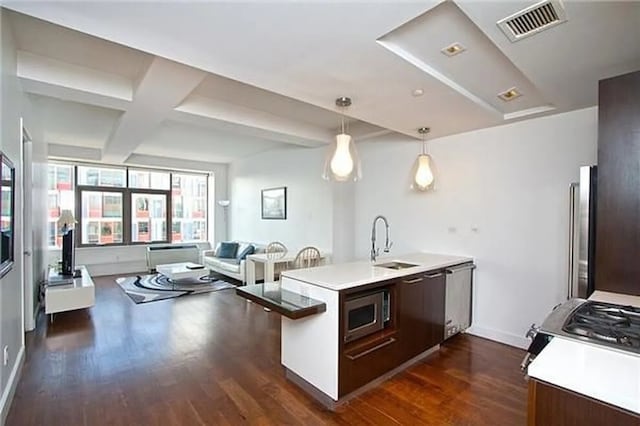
x=614, y=326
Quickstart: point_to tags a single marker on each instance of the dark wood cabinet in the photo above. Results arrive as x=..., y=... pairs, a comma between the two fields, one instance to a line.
x=421, y=313
x=434, y=307
x=365, y=361
x=618, y=209
x=412, y=322
x=416, y=324
x=553, y=406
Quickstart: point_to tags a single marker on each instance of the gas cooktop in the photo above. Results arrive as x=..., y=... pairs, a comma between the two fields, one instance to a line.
x=612, y=325
x=599, y=323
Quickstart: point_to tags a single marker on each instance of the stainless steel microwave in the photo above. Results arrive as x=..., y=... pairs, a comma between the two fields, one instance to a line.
x=366, y=314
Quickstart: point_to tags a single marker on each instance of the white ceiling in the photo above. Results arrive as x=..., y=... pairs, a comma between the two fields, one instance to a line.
x=274, y=69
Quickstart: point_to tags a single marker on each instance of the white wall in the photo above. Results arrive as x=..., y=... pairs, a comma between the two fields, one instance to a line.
x=511, y=183
x=309, y=199
x=11, y=295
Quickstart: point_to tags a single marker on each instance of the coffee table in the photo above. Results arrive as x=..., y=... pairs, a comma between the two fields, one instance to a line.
x=180, y=271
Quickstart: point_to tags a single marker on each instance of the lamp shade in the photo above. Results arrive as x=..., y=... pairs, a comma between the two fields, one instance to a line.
x=422, y=173
x=66, y=221
x=224, y=203
x=342, y=163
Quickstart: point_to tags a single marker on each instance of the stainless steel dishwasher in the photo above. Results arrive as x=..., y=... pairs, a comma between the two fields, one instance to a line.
x=457, y=306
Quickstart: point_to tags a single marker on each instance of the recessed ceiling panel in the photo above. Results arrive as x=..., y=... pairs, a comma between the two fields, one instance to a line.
x=188, y=142
x=234, y=92
x=77, y=48
x=73, y=123
x=479, y=71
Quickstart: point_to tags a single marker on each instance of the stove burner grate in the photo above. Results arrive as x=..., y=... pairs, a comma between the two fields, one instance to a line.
x=613, y=325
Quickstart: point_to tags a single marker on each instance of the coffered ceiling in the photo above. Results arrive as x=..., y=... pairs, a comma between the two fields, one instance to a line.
x=219, y=81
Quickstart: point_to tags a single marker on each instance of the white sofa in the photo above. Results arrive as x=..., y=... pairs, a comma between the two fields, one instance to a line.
x=230, y=267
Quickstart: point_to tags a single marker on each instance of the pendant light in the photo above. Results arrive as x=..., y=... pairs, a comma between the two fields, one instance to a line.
x=342, y=163
x=422, y=173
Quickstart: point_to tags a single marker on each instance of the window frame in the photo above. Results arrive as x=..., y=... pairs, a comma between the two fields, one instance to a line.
x=167, y=206
x=127, y=208
x=206, y=203
x=78, y=213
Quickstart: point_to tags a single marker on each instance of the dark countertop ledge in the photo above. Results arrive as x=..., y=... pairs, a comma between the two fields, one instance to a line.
x=291, y=305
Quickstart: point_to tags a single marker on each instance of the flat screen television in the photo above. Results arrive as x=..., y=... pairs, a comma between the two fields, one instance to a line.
x=68, y=254
x=7, y=200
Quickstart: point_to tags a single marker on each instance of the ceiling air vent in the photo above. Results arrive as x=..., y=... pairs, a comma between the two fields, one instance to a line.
x=538, y=17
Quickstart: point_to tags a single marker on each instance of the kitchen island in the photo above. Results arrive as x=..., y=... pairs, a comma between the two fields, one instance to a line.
x=331, y=355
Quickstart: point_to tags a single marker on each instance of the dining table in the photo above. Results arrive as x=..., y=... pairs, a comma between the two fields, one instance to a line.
x=269, y=262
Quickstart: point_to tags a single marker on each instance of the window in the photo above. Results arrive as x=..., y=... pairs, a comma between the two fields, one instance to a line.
x=101, y=217
x=121, y=205
x=149, y=217
x=61, y=196
x=189, y=201
x=101, y=176
x=145, y=179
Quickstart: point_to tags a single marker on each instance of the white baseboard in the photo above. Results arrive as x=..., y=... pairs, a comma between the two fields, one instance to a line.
x=10, y=389
x=500, y=336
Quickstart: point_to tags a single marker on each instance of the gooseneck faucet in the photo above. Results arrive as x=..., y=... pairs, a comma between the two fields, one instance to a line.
x=387, y=245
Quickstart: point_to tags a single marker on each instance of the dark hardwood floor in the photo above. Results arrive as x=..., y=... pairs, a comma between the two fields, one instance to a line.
x=215, y=359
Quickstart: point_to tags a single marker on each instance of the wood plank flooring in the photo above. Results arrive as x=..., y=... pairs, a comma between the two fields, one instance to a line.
x=214, y=359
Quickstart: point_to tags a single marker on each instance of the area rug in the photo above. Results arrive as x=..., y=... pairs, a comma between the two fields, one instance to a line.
x=151, y=288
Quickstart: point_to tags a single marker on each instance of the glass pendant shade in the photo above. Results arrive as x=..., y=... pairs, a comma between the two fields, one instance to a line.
x=422, y=173
x=342, y=163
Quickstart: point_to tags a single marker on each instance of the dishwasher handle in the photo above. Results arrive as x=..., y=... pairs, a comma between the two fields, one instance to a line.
x=465, y=267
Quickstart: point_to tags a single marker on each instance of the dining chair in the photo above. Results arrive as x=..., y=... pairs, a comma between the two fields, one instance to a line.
x=308, y=257
x=276, y=250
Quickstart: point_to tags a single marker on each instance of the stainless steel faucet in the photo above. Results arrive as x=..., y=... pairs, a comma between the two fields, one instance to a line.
x=387, y=245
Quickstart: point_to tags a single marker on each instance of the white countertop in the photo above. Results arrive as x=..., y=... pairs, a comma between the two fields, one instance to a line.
x=603, y=374
x=342, y=276
x=615, y=298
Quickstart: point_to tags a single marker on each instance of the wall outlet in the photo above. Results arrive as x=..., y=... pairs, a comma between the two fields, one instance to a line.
x=5, y=356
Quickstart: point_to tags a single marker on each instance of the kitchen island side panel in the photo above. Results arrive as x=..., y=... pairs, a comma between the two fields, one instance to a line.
x=310, y=344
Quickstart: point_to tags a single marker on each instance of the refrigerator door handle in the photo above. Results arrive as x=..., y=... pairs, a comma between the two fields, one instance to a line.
x=574, y=232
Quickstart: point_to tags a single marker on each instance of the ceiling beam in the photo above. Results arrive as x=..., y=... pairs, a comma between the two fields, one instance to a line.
x=74, y=152
x=164, y=85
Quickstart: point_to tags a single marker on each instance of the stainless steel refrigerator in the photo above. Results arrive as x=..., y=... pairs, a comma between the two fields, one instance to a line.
x=582, y=233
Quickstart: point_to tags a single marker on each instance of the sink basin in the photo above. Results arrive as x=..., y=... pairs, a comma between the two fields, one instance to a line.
x=396, y=265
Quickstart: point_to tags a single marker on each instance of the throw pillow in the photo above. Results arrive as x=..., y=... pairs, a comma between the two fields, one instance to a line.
x=228, y=250
x=250, y=249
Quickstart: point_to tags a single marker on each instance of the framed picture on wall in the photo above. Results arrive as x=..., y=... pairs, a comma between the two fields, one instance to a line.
x=274, y=203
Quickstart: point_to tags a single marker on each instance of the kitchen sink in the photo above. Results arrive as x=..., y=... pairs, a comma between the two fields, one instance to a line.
x=396, y=265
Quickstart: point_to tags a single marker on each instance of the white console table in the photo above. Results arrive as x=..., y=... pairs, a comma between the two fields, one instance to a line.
x=78, y=294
